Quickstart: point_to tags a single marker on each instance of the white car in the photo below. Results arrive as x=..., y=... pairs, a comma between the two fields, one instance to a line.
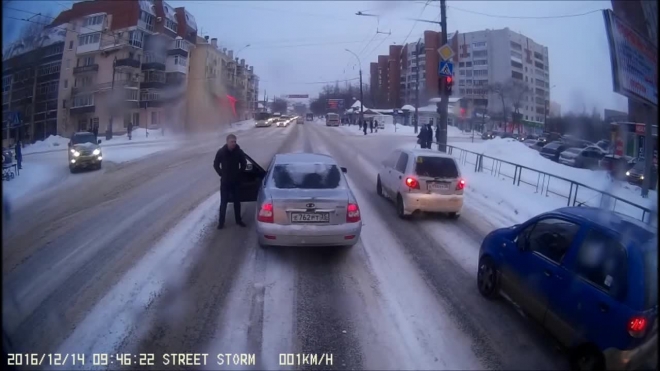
x=421, y=180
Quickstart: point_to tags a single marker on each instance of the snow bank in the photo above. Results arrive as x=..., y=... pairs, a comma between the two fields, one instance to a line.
x=33, y=177
x=391, y=129
x=53, y=142
x=122, y=154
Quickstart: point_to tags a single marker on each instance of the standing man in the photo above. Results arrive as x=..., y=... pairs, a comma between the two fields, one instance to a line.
x=19, y=154
x=95, y=130
x=129, y=130
x=429, y=136
x=229, y=162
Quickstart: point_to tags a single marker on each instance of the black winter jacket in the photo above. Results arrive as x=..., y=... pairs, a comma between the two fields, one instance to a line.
x=229, y=164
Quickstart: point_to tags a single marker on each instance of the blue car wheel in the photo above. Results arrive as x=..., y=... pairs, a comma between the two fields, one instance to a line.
x=487, y=278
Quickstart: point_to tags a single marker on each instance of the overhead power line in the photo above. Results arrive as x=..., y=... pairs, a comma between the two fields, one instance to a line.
x=526, y=17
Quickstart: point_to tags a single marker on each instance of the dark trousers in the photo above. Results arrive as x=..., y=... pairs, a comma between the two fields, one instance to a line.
x=227, y=189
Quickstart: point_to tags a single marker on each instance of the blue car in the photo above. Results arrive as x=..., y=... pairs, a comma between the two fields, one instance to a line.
x=588, y=276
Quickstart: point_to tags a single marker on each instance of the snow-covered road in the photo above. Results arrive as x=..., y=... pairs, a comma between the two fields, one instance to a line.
x=130, y=262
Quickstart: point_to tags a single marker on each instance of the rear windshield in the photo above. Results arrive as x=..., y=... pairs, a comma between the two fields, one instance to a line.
x=552, y=145
x=307, y=176
x=573, y=150
x=263, y=116
x=651, y=275
x=436, y=167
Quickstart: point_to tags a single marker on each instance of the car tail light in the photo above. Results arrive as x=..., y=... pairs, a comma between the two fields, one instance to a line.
x=412, y=183
x=637, y=326
x=266, y=213
x=460, y=185
x=352, y=213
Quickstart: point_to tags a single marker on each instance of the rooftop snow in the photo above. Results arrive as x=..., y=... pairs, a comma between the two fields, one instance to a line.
x=190, y=20
x=146, y=6
x=169, y=12
x=47, y=37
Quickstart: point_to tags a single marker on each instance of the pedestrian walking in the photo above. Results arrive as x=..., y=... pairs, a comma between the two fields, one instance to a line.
x=364, y=127
x=229, y=162
x=371, y=125
x=376, y=125
x=429, y=136
x=129, y=130
x=95, y=130
x=19, y=154
x=421, y=137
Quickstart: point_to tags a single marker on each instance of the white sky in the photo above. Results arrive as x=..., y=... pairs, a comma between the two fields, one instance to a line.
x=297, y=43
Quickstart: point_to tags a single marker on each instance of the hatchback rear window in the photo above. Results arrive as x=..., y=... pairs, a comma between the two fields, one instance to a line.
x=307, y=176
x=651, y=275
x=436, y=167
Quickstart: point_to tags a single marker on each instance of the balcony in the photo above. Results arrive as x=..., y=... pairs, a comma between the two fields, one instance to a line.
x=104, y=86
x=127, y=63
x=154, y=61
x=153, y=79
x=86, y=69
x=179, y=47
x=175, y=79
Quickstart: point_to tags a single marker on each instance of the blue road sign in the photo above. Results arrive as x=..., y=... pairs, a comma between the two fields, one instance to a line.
x=14, y=119
x=446, y=68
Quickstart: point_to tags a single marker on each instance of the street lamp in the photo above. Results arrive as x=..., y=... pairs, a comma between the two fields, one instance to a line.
x=361, y=94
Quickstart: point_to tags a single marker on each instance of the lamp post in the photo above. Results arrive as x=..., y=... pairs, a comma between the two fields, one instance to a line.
x=361, y=94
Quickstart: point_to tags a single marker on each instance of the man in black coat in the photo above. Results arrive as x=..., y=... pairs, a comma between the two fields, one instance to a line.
x=429, y=136
x=229, y=162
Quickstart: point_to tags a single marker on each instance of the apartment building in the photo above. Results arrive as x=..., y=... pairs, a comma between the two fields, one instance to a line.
x=124, y=61
x=643, y=16
x=30, y=81
x=497, y=56
x=222, y=89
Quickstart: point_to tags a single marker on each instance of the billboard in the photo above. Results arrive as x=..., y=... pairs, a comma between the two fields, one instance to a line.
x=634, y=61
x=335, y=104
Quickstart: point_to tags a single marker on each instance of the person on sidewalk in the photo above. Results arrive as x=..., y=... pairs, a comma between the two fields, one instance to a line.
x=19, y=154
x=129, y=130
x=364, y=127
x=371, y=125
x=376, y=125
x=229, y=162
x=429, y=136
x=421, y=137
x=95, y=130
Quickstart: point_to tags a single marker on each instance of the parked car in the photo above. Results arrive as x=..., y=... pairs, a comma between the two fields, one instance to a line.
x=421, y=180
x=552, y=150
x=588, y=275
x=487, y=135
x=332, y=119
x=306, y=201
x=617, y=165
x=604, y=145
x=636, y=174
x=84, y=151
x=586, y=158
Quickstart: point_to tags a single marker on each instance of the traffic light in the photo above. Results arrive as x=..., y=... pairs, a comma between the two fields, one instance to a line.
x=449, y=84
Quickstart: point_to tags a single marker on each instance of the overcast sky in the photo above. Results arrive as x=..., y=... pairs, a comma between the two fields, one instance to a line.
x=295, y=44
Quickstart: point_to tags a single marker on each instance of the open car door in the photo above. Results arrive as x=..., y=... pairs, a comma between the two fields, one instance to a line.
x=253, y=178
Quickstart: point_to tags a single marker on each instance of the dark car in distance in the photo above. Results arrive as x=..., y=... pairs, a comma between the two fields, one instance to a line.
x=552, y=150
x=635, y=175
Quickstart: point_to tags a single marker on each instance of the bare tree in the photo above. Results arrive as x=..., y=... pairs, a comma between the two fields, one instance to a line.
x=501, y=90
x=517, y=90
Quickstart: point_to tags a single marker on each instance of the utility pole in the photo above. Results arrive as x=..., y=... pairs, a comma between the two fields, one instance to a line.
x=417, y=86
x=441, y=131
x=361, y=94
x=108, y=131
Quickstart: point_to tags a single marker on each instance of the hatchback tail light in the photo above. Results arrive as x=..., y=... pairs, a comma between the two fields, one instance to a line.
x=460, y=185
x=266, y=213
x=637, y=326
x=412, y=183
x=352, y=213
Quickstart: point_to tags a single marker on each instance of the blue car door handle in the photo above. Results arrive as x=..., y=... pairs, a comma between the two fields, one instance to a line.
x=603, y=307
x=547, y=273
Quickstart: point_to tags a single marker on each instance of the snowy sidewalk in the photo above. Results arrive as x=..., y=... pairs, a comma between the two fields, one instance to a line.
x=452, y=131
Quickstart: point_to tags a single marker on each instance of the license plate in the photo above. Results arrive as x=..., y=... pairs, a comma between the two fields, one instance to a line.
x=310, y=217
x=438, y=186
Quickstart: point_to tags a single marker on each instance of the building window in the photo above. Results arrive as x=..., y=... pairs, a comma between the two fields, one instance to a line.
x=461, y=91
x=480, y=53
x=461, y=64
x=517, y=75
x=63, y=103
x=481, y=72
x=148, y=19
x=93, y=21
x=538, y=65
x=171, y=25
x=181, y=61
x=516, y=54
x=479, y=44
x=66, y=83
x=516, y=46
x=461, y=72
x=480, y=82
x=468, y=64
x=538, y=55
x=86, y=61
x=516, y=64
x=132, y=94
x=482, y=62
x=71, y=45
x=83, y=100
x=461, y=82
x=135, y=38
x=468, y=73
x=91, y=38
x=6, y=83
x=49, y=68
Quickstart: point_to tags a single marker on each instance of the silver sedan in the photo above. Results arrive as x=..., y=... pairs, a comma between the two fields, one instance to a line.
x=306, y=201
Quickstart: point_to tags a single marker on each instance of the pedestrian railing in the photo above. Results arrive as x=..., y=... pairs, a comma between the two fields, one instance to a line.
x=546, y=184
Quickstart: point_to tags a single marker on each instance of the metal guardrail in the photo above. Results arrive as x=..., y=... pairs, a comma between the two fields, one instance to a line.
x=548, y=184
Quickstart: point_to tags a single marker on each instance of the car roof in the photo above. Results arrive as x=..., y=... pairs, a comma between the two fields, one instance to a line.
x=301, y=157
x=427, y=152
x=83, y=133
x=608, y=219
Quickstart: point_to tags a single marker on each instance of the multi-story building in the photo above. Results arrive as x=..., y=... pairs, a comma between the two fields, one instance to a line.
x=30, y=81
x=219, y=85
x=642, y=15
x=124, y=61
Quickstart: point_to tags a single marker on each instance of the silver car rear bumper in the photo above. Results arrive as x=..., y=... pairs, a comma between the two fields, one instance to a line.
x=308, y=235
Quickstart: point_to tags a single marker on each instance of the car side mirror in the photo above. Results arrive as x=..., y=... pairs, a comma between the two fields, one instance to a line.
x=344, y=170
x=99, y=141
x=248, y=167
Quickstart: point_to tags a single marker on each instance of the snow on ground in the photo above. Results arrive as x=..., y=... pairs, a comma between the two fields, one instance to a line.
x=131, y=153
x=517, y=153
x=34, y=175
x=452, y=131
x=118, y=313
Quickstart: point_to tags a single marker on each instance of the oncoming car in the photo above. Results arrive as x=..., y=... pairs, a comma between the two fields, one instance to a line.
x=306, y=201
x=421, y=180
x=84, y=151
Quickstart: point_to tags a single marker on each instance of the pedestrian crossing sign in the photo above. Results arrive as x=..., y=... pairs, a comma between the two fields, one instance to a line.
x=446, y=68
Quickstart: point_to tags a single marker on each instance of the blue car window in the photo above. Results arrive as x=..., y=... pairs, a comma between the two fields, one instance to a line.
x=603, y=261
x=552, y=238
x=651, y=274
